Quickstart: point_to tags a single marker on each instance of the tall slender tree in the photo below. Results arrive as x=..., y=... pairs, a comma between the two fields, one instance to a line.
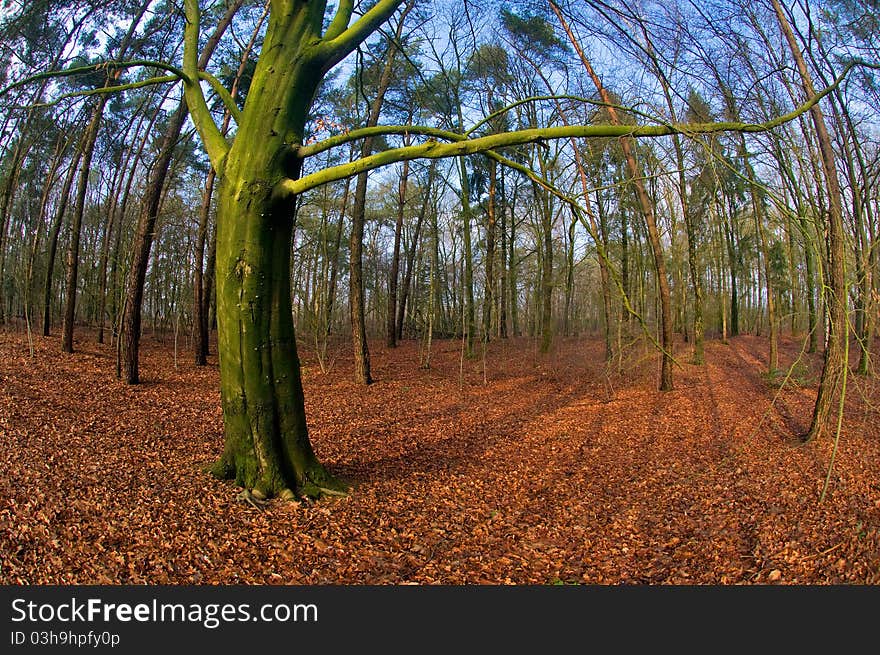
x=835, y=359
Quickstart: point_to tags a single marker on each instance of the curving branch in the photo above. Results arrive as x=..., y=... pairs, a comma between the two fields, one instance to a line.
x=340, y=20
x=224, y=95
x=462, y=145
x=212, y=138
x=312, y=149
x=115, y=66
x=587, y=101
x=340, y=40
x=108, y=89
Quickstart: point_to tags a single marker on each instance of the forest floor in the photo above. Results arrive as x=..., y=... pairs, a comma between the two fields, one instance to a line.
x=517, y=468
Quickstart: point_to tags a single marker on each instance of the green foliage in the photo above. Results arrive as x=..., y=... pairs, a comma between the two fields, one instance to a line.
x=533, y=32
x=489, y=65
x=698, y=110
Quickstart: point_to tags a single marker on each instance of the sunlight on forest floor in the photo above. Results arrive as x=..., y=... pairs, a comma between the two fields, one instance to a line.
x=531, y=469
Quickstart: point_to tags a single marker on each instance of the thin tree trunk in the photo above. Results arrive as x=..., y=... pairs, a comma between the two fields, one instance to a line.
x=153, y=194
x=569, y=278
x=834, y=369
x=112, y=211
x=334, y=266
x=51, y=179
x=648, y=212
x=391, y=325
x=142, y=244
x=9, y=190
x=89, y=139
x=608, y=314
x=502, y=291
x=512, y=274
x=362, y=372
x=760, y=220
x=491, y=220
x=200, y=323
x=546, y=288
x=208, y=300
x=469, y=324
x=410, y=258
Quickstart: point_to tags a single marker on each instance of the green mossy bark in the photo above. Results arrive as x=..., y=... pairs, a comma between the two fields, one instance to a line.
x=267, y=446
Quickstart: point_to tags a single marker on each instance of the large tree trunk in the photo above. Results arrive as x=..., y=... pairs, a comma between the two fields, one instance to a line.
x=267, y=446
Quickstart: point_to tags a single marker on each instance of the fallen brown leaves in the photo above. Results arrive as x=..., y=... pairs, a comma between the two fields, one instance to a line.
x=551, y=472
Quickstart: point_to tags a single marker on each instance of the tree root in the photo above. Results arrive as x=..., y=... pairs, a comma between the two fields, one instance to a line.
x=327, y=487
x=258, y=501
x=332, y=492
x=247, y=497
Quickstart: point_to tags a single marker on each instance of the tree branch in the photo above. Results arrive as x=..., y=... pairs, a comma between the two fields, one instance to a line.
x=340, y=20
x=224, y=94
x=462, y=145
x=330, y=51
x=213, y=140
x=92, y=68
x=378, y=130
x=109, y=89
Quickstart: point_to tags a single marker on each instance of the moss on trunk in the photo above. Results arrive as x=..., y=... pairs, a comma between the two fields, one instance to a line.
x=267, y=445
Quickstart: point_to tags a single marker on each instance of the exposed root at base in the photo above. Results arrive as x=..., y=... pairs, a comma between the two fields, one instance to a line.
x=256, y=499
x=312, y=491
x=332, y=492
x=318, y=483
x=247, y=497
